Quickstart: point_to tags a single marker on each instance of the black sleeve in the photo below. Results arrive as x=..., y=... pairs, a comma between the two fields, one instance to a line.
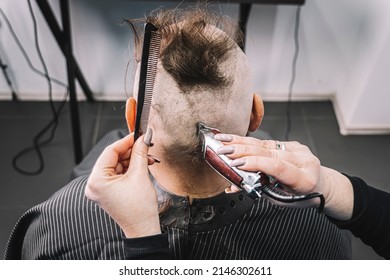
x=154, y=247
x=371, y=217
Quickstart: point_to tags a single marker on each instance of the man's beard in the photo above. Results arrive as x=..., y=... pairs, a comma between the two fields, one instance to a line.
x=180, y=153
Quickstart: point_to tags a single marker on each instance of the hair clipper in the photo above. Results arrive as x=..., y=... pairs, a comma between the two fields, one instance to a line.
x=255, y=184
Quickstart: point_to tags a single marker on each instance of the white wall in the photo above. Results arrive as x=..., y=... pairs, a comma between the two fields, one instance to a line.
x=100, y=44
x=28, y=84
x=343, y=54
x=344, y=57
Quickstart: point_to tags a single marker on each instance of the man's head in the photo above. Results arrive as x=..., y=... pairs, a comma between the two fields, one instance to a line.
x=202, y=76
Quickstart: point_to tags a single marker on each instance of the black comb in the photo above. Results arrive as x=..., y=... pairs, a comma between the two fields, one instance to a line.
x=149, y=59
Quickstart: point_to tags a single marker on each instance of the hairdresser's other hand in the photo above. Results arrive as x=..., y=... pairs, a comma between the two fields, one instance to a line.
x=294, y=165
x=120, y=185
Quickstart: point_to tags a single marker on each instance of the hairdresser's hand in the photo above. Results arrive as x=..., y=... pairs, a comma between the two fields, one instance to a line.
x=292, y=164
x=120, y=184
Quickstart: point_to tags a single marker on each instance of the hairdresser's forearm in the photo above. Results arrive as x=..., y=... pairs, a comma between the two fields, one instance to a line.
x=339, y=199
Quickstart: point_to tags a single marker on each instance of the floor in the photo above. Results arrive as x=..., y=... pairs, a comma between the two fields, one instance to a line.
x=313, y=124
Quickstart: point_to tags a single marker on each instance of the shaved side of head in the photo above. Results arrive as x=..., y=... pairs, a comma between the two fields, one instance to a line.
x=202, y=76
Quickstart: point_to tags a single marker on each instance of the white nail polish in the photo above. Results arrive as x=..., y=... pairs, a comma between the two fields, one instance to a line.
x=223, y=137
x=148, y=136
x=225, y=150
x=237, y=162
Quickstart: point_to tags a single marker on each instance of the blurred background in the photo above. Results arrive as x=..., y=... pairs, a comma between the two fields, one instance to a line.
x=338, y=103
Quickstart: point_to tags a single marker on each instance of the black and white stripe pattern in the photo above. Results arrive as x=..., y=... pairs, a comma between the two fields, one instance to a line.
x=265, y=232
x=69, y=226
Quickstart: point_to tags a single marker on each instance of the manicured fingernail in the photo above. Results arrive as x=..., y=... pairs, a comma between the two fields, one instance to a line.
x=225, y=150
x=237, y=162
x=154, y=158
x=148, y=136
x=232, y=189
x=223, y=137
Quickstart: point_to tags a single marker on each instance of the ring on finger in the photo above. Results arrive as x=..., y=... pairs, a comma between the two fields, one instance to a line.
x=280, y=146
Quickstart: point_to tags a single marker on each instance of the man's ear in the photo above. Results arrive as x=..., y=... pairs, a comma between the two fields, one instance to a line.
x=257, y=113
x=131, y=107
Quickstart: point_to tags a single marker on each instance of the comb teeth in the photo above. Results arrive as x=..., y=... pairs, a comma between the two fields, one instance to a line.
x=149, y=60
x=154, y=52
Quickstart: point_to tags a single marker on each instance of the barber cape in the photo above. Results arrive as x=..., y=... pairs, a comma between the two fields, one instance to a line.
x=226, y=226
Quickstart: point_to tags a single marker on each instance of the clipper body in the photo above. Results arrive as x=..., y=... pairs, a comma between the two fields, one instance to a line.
x=255, y=184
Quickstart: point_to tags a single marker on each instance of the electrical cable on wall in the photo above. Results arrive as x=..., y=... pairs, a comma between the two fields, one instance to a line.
x=24, y=53
x=4, y=67
x=293, y=73
x=38, y=142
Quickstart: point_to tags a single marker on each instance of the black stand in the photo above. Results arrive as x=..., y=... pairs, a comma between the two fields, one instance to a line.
x=245, y=9
x=64, y=40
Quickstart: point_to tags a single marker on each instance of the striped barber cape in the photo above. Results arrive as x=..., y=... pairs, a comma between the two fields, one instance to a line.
x=227, y=226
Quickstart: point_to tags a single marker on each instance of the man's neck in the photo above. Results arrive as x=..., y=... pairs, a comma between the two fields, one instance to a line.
x=188, y=179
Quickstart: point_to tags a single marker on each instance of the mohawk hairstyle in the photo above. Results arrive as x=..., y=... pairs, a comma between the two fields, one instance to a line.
x=190, y=53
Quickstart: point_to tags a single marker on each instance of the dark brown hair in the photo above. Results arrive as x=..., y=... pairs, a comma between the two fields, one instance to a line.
x=191, y=54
